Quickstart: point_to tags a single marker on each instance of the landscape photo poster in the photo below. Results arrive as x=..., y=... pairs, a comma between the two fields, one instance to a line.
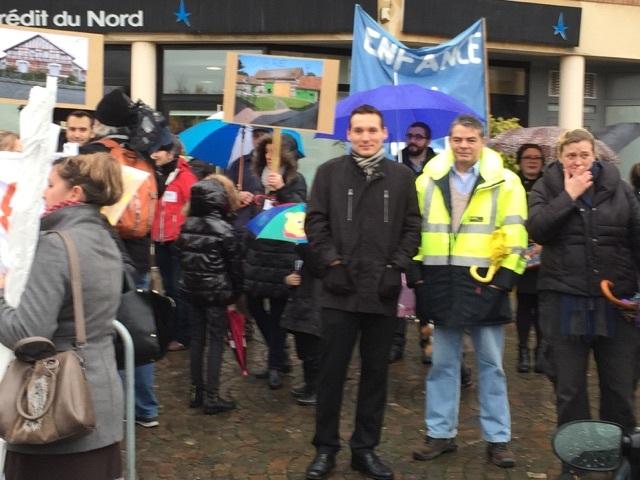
x=29, y=55
x=277, y=91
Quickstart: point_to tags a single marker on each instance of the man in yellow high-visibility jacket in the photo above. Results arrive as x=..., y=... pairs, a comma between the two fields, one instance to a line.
x=466, y=196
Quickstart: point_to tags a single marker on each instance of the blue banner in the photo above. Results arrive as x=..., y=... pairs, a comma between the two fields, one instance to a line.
x=457, y=67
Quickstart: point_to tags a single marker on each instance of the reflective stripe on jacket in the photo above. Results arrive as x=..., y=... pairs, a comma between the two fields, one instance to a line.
x=498, y=201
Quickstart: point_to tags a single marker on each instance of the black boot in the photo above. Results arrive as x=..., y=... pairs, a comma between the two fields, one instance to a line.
x=523, y=360
x=195, y=396
x=214, y=403
x=539, y=359
x=308, y=399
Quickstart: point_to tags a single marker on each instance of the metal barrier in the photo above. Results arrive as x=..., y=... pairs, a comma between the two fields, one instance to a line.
x=130, y=399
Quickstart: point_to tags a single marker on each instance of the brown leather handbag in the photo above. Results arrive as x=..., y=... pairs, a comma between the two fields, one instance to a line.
x=44, y=395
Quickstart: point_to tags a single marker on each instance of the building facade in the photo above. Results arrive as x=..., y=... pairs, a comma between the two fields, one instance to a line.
x=551, y=62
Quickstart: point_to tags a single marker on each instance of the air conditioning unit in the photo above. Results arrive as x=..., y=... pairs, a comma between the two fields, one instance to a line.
x=590, y=91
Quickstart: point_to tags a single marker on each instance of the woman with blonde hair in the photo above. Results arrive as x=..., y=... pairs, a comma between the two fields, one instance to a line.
x=211, y=261
x=76, y=190
x=588, y=222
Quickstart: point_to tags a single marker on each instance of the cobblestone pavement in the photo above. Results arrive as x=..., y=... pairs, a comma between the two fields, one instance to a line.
x=268, y=436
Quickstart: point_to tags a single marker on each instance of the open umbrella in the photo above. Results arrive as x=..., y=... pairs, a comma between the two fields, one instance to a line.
x=218, y=142
x=401, y=105
x=546, y=137
x=284, y=222
x=237, y=341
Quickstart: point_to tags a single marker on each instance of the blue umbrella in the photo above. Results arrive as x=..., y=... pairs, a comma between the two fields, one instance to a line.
x=213, y=140
x=401, y=105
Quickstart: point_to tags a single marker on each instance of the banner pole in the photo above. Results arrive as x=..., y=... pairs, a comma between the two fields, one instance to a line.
x=486, y=72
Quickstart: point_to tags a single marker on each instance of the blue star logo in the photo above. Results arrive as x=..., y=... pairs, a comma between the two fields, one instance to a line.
x=182, y=15
x=560, y=28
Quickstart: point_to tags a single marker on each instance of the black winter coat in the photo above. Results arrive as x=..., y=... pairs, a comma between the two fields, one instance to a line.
x=210, y=251
x=302, y=313
x=587, y=240
x=367, y=225
x=269, y=261
x=528, y=281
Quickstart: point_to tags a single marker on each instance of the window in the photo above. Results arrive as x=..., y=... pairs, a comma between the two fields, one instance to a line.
x=199, y=72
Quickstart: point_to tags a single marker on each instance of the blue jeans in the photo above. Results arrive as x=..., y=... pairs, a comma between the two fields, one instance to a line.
x=146, y=402
x=443, y=383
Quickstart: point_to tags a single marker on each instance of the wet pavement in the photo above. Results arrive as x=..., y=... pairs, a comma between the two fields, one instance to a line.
x=268, y=436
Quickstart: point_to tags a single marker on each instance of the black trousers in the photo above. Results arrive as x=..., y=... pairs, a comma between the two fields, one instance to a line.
x=309, y=349
x=208, y=328
x=341, y=333
x=527, y=317
x=268, y=322
x=615, y=360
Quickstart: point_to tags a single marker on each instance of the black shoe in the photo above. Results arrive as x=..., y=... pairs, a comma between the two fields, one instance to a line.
x=214, y=403
x=523, y=360
x=275, y=380
x=300, y=391
x=286, y=368
x=196, y=396
x=262, y=375
x=371, y=466
x=395, y=354
x=307, y=400
x=321, y=466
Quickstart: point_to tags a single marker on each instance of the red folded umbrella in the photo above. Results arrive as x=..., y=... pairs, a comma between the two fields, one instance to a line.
x=237, y=342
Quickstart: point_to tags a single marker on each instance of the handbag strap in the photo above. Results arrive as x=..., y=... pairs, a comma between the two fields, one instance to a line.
x=76, y=288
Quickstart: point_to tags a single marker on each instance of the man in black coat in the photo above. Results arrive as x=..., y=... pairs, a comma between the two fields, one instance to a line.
x=363, y=222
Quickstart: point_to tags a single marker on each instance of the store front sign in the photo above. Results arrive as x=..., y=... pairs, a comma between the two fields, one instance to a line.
x=517, y=22
x=187, y=16
x=64, y=19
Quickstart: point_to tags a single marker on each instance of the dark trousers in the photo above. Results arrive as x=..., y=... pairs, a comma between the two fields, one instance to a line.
x=168, y=261
x=400, y=334
x=341, y=331
x=309, y=349
x=527, y=317
x=268, y=322
x=209, y=327
x=614, y=358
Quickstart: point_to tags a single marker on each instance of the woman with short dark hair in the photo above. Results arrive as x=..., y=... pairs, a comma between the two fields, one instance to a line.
x=588, y=221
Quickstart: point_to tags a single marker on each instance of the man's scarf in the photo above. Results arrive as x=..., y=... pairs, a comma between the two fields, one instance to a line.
x=369, y=165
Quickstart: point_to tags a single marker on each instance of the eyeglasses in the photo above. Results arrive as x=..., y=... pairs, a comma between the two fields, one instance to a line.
x=417, y=136
x=532, y=158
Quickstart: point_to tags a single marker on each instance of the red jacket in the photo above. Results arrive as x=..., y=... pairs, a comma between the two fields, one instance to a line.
x=169, y=218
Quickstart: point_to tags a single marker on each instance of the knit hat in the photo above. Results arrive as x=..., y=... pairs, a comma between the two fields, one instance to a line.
x=114, y=109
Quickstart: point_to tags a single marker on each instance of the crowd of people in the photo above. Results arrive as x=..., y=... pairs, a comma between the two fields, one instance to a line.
x=430, y=222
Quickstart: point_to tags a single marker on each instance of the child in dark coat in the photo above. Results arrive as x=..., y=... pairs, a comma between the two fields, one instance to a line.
x=302, y=318
x=211, y=260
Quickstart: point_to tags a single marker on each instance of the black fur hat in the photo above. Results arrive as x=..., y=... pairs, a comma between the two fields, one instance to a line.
x=114, y=109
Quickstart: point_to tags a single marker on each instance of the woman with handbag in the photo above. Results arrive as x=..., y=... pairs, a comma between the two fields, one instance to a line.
x=76, y=190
